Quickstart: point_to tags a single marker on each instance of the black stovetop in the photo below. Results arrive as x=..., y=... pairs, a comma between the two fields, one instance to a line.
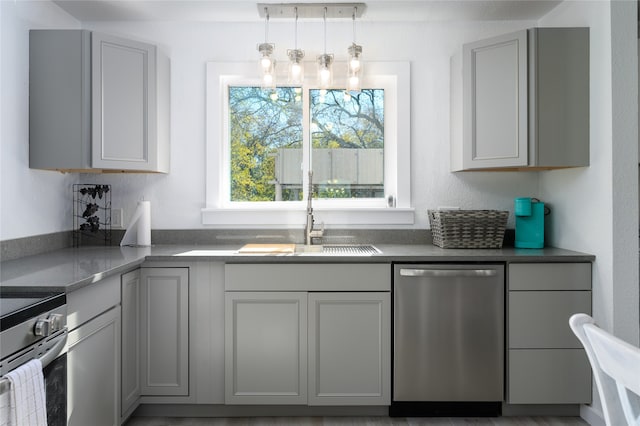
x=18, y=307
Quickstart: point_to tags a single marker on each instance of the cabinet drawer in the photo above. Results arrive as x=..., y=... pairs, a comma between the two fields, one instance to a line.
x=307, y=277
x=540, y=319
x=92, y=300
x=548, y=376
x=549, y=276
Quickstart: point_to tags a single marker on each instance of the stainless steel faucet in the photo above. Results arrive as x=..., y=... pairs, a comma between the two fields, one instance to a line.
x=309, y=232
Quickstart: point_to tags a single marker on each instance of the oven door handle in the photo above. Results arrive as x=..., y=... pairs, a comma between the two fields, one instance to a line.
x=45, y=359
x=53, y=353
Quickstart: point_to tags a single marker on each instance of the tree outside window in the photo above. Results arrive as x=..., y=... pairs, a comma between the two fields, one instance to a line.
x=266, y=140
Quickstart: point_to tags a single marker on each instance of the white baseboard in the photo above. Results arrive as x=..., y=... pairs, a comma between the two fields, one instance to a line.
x=591, y=415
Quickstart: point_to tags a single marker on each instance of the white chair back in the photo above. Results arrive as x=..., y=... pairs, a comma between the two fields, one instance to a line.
x=616, y=369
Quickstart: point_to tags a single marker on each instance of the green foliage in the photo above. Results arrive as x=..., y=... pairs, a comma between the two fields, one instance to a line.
x=259, y=126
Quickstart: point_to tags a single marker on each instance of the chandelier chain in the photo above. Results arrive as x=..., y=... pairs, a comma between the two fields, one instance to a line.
x=355, y=10
x=266, y=25
x=325, y=30
x=295, y=37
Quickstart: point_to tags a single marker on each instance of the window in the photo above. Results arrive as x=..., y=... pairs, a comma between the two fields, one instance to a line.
x=261, y=144
x=347, y=143
x=266, y=143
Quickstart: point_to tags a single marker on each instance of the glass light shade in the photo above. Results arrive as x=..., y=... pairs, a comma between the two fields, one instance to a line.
x=325, y=71
x=354, y=63
x=266, y=62
x=267, y=65
x=296, y=67
x=353, y=84
x=354, y=68
x=268, y=80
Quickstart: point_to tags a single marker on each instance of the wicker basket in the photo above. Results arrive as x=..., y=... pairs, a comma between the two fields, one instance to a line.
x=468, y=228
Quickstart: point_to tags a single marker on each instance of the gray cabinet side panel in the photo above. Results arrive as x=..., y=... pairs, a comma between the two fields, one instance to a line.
x=59, y=99
x=163, y=113
x=130, y=359
x=561, y=78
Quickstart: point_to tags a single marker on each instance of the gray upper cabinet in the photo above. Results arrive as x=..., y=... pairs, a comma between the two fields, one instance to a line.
x=521, y=101
x=97, y=103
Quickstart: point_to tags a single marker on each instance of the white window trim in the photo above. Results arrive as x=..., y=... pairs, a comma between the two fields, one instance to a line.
x=292, y=214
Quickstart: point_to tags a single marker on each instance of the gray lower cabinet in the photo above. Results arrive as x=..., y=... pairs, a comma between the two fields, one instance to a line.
x=349, y=353
x=521, y=100
x=155, y=335
x=164, y=331
x=93, y=354
x=266, y=348
x=315, y=346
x=546, y=363
x=130, y=368
x=97, y=102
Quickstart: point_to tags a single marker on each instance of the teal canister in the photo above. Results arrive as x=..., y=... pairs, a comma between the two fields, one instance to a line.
x=529, y=214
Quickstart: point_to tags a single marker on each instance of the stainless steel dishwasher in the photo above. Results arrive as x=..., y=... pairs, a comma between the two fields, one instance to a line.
x=448, y=342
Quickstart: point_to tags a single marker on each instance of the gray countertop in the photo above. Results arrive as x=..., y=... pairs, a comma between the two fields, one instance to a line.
x=69, y=269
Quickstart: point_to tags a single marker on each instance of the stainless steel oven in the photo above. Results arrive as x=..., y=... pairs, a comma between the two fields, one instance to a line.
x=33, y=325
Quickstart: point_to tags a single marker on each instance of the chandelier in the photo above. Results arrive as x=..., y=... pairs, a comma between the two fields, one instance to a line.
x=324, y=61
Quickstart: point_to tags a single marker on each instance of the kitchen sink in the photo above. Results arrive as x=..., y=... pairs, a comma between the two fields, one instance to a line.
x=289, y=250
x=337, y=250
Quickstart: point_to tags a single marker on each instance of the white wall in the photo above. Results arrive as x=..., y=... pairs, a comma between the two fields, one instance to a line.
x=603, y=197
x=36, y=202
x=31, y=202
x=177, y=198
x=596, y=208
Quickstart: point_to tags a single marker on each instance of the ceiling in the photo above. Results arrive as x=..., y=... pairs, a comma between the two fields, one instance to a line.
x=247, y=11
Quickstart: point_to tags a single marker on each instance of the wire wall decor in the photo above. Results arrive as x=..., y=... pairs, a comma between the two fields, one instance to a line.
x=91, y=214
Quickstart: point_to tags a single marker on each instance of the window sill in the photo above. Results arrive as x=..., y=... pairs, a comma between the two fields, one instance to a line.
x=295, y=218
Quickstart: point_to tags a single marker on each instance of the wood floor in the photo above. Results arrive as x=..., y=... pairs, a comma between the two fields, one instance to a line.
x=355, y=421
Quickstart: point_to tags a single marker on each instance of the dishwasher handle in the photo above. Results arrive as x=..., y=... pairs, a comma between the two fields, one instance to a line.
x=447, y=273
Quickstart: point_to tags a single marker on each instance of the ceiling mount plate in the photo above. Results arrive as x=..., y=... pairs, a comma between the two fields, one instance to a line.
x=311, y=10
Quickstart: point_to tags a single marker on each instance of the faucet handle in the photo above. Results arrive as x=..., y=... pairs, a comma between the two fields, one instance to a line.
x=317, y=233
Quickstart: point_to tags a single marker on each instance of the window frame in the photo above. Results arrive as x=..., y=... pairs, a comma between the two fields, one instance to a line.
x=394, y=77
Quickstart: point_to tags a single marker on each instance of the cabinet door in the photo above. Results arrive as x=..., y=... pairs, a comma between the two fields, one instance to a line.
x=165, y=331
x=130, y=341
x=349, y=349
x=123, y=103
x=495, y=102
x=59, y=99
x=93, y=372
x=266, y=348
